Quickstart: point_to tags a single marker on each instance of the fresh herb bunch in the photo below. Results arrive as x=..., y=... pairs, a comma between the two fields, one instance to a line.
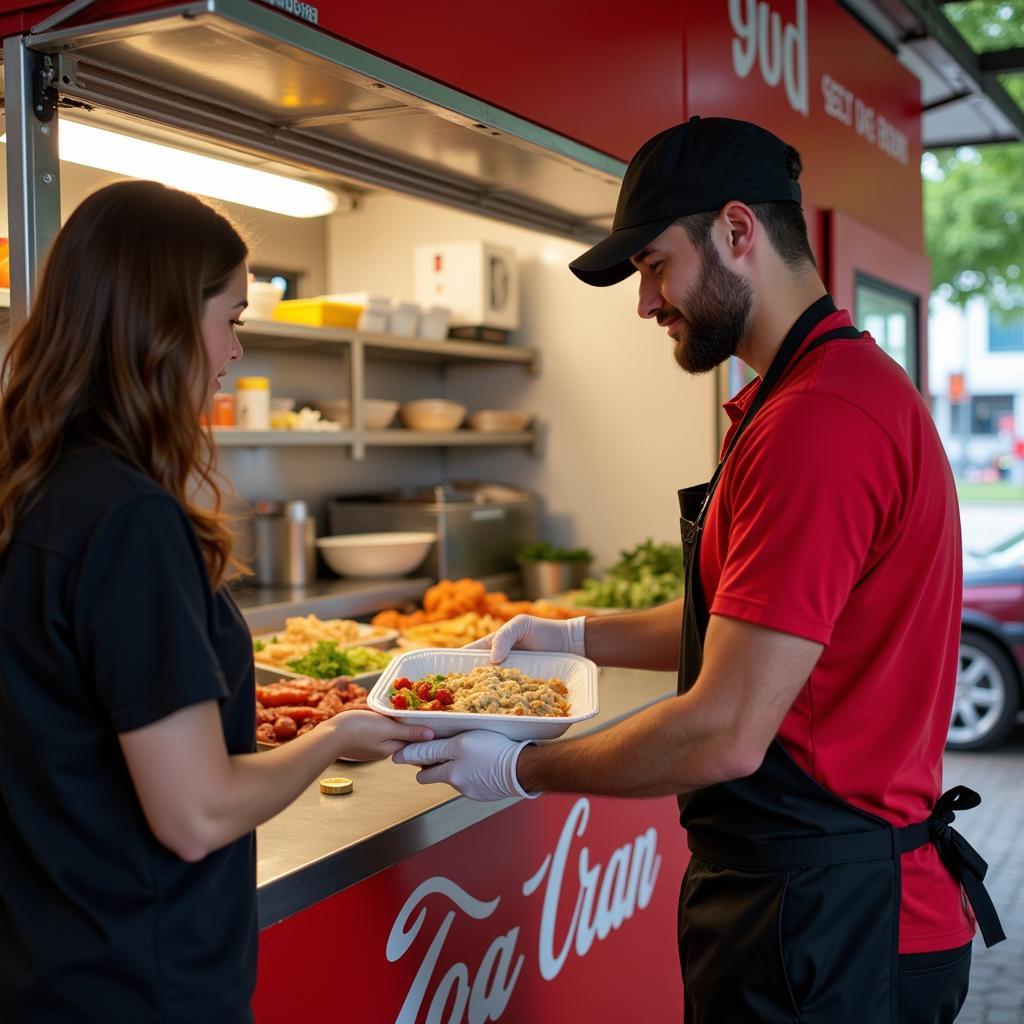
x=545, y=551
x=326, y=660
x=645, y=575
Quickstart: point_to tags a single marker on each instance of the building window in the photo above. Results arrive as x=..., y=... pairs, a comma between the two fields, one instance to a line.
x=1006, y=330
x=989, y=413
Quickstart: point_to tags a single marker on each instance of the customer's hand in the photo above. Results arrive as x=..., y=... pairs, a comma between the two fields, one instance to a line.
x=529, y=633
x=479, y=764
x=367, y=736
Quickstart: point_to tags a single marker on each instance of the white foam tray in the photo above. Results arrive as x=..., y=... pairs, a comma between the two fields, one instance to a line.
x=578, y=674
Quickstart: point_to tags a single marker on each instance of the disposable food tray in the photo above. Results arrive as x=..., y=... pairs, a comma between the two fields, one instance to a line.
x=578, y=674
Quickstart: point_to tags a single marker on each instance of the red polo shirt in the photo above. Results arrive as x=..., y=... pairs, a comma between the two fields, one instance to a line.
x=836, y=519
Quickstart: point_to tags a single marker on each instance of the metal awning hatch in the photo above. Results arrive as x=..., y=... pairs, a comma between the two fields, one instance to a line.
x=258, y=80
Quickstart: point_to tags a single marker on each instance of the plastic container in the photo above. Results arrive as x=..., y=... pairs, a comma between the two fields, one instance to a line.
x=433, y=324
x=252, y=403
x=318, y=312
x=264, y=297
x=223, y=410
x=578, y=674
x=375, y=310
x=405, y=319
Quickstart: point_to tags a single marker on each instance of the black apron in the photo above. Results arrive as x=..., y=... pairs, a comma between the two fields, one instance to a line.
x=789, y=909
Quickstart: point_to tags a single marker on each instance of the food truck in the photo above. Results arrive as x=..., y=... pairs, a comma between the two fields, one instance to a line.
x=509, y=127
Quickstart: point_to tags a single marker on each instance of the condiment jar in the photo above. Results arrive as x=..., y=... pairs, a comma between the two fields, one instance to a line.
x=223, y=410
x=252, y=403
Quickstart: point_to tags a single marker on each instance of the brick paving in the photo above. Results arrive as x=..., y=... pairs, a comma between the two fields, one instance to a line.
x=996, y=829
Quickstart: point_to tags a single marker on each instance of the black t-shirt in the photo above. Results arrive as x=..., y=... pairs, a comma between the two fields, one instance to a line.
x=108, y=623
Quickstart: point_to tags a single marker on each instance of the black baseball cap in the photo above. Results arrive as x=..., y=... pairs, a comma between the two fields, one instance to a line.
x=690, y=168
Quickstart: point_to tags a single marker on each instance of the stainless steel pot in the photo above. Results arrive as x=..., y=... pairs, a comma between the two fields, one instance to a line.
x=285, y=543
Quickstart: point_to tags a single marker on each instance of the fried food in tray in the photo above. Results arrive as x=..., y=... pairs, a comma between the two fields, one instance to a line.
x=295, y=706
x=451, y=601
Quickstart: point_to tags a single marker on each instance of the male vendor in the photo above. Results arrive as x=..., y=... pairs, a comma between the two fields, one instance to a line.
x=817, y=645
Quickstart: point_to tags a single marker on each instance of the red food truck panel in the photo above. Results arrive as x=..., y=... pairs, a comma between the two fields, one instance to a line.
x=558, y=909
x=810, y=73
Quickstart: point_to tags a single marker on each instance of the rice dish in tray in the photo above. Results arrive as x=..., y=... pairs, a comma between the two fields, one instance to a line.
x=486, y=689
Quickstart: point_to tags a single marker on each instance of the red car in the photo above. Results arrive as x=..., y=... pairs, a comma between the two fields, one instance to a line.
x=990, y=682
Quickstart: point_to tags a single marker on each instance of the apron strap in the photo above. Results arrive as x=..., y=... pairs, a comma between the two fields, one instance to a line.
x=962, y=860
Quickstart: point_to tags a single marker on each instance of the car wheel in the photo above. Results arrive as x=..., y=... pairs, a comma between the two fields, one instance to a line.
x=987, y=695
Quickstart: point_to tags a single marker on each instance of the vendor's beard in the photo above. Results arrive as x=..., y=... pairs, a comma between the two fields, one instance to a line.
x=717, y=316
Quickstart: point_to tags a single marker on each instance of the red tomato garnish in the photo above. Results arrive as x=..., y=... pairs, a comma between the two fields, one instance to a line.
x=445, y=697
x=403, y=684
x=434, y=705
x=424, y=691
x=400, y=701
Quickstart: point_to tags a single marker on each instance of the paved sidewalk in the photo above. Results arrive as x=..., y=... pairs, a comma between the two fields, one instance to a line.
x=996, y=829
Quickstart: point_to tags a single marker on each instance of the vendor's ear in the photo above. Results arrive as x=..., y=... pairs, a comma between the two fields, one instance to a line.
x=737, y=226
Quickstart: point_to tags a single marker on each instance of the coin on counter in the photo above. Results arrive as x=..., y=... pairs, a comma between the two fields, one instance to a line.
x=336, y=785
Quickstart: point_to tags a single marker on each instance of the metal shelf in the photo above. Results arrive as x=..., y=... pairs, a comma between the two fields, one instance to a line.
x=448, y=439
x=274, y=335
x=232, y=437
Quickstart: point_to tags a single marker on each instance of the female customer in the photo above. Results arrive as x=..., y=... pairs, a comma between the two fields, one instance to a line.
x=129, y=789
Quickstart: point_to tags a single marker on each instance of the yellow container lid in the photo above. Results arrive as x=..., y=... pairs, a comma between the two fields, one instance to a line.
x=336, y=785
x=318, y=312
x=253, y=384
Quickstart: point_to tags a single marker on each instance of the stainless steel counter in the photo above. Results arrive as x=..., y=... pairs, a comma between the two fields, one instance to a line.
x=322, y=844
x=266, y=607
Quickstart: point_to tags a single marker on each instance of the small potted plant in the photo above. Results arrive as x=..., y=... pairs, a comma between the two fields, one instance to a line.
x=548, y=570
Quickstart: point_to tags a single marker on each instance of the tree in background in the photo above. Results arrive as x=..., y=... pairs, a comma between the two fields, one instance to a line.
x=974, y=197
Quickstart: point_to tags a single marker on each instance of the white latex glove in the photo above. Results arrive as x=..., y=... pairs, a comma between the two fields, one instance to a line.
x=529, y=633
x=479, y=764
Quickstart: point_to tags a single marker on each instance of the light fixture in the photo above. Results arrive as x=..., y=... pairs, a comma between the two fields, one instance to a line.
x=207, y=176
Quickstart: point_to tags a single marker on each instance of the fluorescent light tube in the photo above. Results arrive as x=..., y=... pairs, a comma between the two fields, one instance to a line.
x=218, y=179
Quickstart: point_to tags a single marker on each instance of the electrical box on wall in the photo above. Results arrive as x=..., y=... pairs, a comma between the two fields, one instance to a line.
x=477, y=281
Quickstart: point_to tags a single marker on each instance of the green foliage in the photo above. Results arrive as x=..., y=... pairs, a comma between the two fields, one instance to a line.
x=974, y=198
x=544, y=551
x=974, y=222
x=646, y=575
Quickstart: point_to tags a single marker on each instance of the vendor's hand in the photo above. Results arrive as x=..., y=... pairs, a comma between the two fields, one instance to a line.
x=367, y=736
x=479, y=764
x=529, y=633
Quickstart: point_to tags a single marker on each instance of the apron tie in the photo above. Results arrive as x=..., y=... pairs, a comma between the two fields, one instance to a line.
x=965, y=863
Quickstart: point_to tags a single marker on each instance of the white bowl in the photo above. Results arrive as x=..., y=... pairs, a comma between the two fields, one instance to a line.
x=436, y=414
x=499, y=421
x=375, y=554
x=578, y=674
x=263, y=297
x=377, y=412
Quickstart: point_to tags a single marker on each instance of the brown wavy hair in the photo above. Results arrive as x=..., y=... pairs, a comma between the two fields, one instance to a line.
x=112, y=353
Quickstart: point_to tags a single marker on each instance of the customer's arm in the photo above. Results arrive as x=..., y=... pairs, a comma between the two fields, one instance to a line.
x=197, y=797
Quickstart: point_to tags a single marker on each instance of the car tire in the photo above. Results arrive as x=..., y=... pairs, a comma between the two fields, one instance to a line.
x=988, y=695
